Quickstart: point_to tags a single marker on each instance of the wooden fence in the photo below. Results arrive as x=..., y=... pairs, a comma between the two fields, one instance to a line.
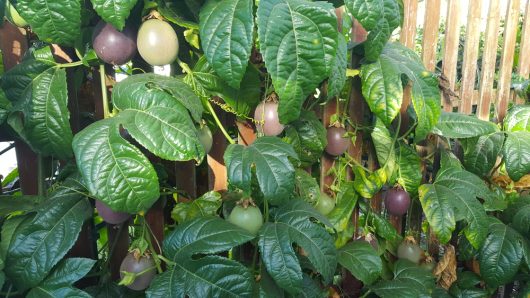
x=493, y=88
x=493, y=73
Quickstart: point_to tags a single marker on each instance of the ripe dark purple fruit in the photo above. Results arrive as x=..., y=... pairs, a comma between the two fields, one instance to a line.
x=112, y=46
x=337, y=143
x=110, y=216
x=144, y=265
x=397, y=201
x=266, y=114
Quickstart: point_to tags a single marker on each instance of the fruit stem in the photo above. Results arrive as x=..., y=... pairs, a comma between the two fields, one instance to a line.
x=392, y=148
x=149, y=240
x=104, y=91
x=71, y=64
x=218, y=122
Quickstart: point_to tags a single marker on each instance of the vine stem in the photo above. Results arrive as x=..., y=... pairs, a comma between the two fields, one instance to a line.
x=71, y=64
x=149, y=239
x=40, y=175
x=218, y=122
x=104, y=97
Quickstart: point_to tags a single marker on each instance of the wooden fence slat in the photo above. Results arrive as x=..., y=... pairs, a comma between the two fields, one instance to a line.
x=408, y=30
x=508, y=49
x=489, y=58
x=524, y=52
x=470, y=56
x=450, y=57
x=430, y=33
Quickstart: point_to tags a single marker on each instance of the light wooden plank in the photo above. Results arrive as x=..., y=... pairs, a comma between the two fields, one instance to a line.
x=408, y=30
x=524, y=53
x=508, y=49
x=469, y=68
x=450, y=57
x=489, y=57
x=430, y=33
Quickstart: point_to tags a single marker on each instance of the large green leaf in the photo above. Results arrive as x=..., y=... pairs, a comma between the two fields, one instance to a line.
x=68, y=271
x=298, y=40
x=409, y=281
x=19, y=78
x=466, y=286
x=409, y=170
x=114, y=12
x=206, y=83
x=306, y=186
x=501, y=254
x=480, y=153
x=383, y=143
x=360, y=258
x=308, y=137
x=459, y=126
x=54, y=21
x=292, y=224
x=207, y=204
x=274, y=171
x=113, y=170
x=54, y=292
x=183, y=13
x=518, y=119
x=5, y=106
x=37, y=247
x=516, y=152
x=451, y=198
x=208, y=276
x=9, y=204
x=337, y=77
x=12, y=227
x=380, y=18
x=144, y=91
x=521, y=220
x=346, y=200
x=382, y=87
x=226, y=29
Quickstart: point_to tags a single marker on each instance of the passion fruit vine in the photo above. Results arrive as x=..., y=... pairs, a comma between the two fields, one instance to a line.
x=112, y=46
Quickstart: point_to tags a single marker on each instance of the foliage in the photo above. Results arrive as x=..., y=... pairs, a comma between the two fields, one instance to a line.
x=464, y=175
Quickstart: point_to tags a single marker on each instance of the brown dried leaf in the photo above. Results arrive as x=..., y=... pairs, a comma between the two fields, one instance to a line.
x=445, y=271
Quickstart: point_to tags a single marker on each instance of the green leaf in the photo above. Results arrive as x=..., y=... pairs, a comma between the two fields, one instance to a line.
x=308, y=137
x=361, y=260
x=274, y=171
x=53, y=292
x=292, y=224
x=466, y=286
x=10, y=204
x=518, y=119
x=386, y=154
x=501, y=255
x=183, y=13
x=208, y=204
x=115, y=171
x=409, y=281
x=37, y=247
x=68, y=272
x=226, y=29
x=480, y=153
x=206, y=83
x=439, y=212
x=209, y=275
x=54, y=21
x=449, y=160
x=459, y=126
x=367, y=185
x=346, y=200
x=337, y=77
x=409, y=170
x=456, y=189
x=306, y=186
x=19, y=78
x=10, y=228
x=298, y=40
x=516, y=153
x=114, y=12
x=5, y=106
x=144, y=91
x=46, y=117
x=382, y=87
x=521, y=221
x=379, y=18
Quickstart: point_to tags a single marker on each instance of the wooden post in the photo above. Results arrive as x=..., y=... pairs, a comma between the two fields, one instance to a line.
x=450, y=58
x=508, y=50
x=430, y=33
